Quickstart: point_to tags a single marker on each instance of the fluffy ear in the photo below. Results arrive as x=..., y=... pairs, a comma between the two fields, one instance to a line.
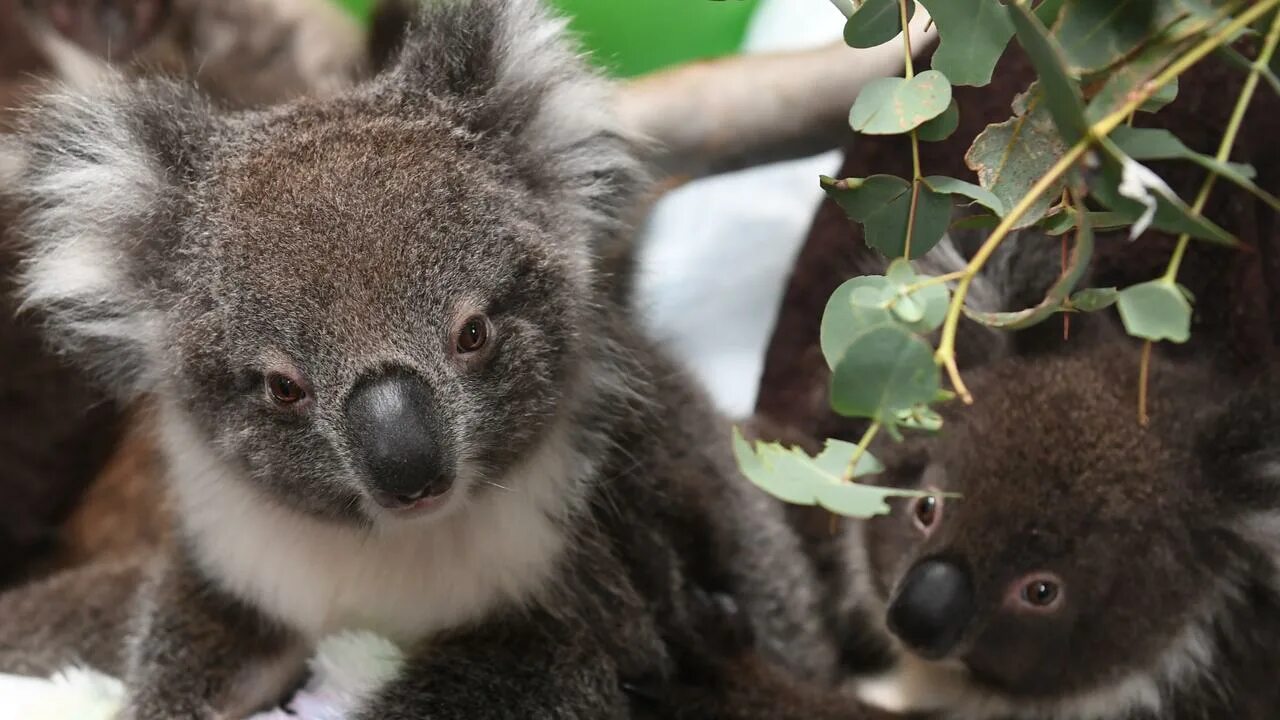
x=1240, y=449
x=508, y=70
x=99, y=180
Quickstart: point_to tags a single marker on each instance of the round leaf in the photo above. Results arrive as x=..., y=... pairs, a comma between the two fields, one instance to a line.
x=941, y=127
x=891, y=106
x=875, y=23
x=884, y=371
x=843, y=320
x=860, y=197
x=1155, y=310
x=886, y=228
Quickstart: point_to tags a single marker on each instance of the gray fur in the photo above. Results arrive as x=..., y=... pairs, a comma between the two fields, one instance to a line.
x=184, y=253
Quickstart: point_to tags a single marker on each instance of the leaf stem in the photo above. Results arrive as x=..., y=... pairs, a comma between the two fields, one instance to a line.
x=906, y=38
x=935, y=280
x=1228, y=138
x=945, y=355
x=863, y=444
x=1144, y=374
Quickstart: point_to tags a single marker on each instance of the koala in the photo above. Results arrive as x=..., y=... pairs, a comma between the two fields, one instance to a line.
x=246, y=53
x=392, y=390
x=1073, y=564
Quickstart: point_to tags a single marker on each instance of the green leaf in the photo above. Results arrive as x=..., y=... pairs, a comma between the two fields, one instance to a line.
x=1061, y=93
x=861, y=197
x=1010, y=157
x=941, y=127
x=1121, y=82
x=1096, y=34
x=842, y=320
x=973, y=35
x=884, y=371
x=894, y=105
x=1155, y=144
x=1056, y=297
x=1093, y=299
x=952, y=186
x=1155, y=310
x=1130, y=188
x=792, y=476
x=875, y=23
x=920, y=417
x=932, y=301
x=886, y=228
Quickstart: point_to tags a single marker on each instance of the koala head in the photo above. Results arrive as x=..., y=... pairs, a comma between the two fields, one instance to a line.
x=370, y=304
x=1070, y=555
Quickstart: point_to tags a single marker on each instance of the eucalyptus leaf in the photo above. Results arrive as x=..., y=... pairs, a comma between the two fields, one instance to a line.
x=932, y=300
x=941, y=127
x=1010, y=157
x=1155, y=310
x=875, y=23
x=791, y=475
x=1131, y=189
x=953, y=186
x=1121, y=82
x=920, y=417
x=842, y=320
x=894, y=105
x=1062, y=94
x=972, y=35
x=886, y=228
x=884, y=371
x=1096, y=34
x=1094, y=299
x=859, y=198
x=1156, y=144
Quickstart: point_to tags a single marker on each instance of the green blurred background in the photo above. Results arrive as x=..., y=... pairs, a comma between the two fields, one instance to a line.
x=632, y=37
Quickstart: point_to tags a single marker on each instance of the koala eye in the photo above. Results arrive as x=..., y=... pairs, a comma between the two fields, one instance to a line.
x=1040, y=593
x=284, y=389
x=473, y=334
x=927, y=510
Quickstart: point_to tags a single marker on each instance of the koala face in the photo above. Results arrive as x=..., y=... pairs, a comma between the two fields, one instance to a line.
x=396, y=334
x=1074, y=553
x=373, y=304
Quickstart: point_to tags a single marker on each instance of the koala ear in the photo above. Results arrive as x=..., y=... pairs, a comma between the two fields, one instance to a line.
x=507, y=70
x=1240, y=448
x=99, y=179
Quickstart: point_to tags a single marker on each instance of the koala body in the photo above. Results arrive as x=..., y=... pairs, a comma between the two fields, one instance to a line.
x=393, y=391
x=1089, y=567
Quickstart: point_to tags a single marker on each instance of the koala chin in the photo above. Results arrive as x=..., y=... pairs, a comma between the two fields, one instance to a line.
x=393, y=389
x=1073, y=565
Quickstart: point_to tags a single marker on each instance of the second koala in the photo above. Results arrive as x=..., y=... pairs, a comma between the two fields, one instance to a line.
x=392, y=391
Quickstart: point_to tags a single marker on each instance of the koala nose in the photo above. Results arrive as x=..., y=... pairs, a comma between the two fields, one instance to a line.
x=395, y=432
x=932, y=608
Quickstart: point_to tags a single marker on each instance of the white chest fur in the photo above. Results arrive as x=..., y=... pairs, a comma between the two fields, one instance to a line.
x=406, y=582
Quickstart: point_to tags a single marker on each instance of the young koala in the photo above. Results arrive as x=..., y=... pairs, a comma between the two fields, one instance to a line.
x=1085, y=567
x=393, y=393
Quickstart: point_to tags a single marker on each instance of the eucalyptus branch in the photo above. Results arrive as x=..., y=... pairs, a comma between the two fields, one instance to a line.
x=945, y=355
x=1229, y=137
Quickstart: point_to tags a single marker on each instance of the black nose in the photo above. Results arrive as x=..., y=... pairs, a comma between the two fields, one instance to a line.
x=395, y=433
x=933, y=607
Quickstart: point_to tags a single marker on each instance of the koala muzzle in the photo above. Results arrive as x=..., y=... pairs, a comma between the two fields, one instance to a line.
x=395, y=432
x=932, y=608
